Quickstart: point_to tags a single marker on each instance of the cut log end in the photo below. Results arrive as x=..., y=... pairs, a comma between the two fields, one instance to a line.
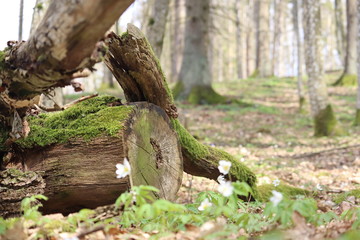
x=81, y=173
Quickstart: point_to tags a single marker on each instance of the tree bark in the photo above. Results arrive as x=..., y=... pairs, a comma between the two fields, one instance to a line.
x=251, y=58
x=278, y=67
x=80, y=172
x=350, y=71
x=194, y=83
x=357, y=116
x=240, y=11
x=263, y=39
x=137, y=70
x=176, y=43
x=339, y=29
x=21, y=14
x=155, y=26
x=324, y=118
x=300, y=59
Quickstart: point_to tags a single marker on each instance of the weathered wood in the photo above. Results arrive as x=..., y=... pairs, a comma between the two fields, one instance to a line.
x=138, y=71
x=80, y=173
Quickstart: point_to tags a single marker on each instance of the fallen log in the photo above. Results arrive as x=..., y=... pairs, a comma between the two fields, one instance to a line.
x=75, y=152
x=136, y=68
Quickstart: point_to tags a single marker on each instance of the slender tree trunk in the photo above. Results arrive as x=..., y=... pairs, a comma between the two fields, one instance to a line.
x=21, y=14
x=349, y=75
x=340, y=29
x=263, y=39
x=324, y=117
x=299, y=46
x=175, y=41
x=279, y=31
x=155, y=26
x=194, y=83
x=251, y=38
x=240, y=14
x=357, y=117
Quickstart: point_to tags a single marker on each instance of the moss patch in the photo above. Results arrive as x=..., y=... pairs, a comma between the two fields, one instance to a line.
x=265, y=191
x=302, y=102
x=205, y=95
x=2, y=60
x=326, y=123
x=200, y=151
x=254, y=74
x=357, y=118
x=85, y=120
x=342, y=197
x=346, y=80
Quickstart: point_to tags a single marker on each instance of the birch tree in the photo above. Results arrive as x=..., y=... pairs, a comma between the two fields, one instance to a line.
x=325, y=122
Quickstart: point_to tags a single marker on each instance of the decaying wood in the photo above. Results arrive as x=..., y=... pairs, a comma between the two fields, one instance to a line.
x=137, y=70
x=16, y=185
x=81, y=174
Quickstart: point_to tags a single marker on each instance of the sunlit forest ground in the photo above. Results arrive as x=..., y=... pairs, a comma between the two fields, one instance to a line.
x=274, y=139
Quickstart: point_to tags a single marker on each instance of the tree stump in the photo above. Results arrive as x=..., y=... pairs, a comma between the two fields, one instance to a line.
x=76, y=150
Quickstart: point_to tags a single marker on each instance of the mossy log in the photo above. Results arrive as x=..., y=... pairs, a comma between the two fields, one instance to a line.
x=138, y=71
x=75, y=151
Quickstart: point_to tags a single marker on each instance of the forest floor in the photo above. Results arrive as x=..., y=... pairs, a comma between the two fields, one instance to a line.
x=274, y=139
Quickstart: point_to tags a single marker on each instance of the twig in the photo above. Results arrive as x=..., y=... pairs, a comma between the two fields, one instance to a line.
x=79, y=100
x=89, y=231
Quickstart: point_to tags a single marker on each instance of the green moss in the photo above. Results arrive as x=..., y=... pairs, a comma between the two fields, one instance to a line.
x=86, y=120
x=326, y=123
x=346, y=80
x=2, y=60
x=179, y=87
x=255, y=74
x=200, y=151
x=302, y=102
x=265, y=191
x=205, y=95
x=357, y=118
x=342, y=197
x=151, y=21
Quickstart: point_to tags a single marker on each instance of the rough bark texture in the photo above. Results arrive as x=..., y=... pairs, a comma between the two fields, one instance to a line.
x=195, y=68
x=324, y=119
x=155, y=26
x=263, y=62
x=137, y=70
x=79, y=172
x=300, y=60
x=15, y=185
x=349, y=75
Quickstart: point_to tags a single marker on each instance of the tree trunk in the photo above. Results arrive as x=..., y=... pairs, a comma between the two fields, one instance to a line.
x=357, y=117
x=349, y=75
x=21, y=14
x=278, y=60
x=137, y=70
x=155, y=26
x=194, y=83
x=339, y=29
x=77, y=162
x=175, y=41
x=324, y=118
x=251, y=39
x=240, y=11
x=263, y=39
x=297, y=30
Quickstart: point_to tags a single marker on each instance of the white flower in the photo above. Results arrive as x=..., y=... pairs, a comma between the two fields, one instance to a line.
x=122, y=170
x=220, y=178
x=276, y=197
x=244, y=151
x=225, y=188
x=224, y=166
x=205, y=204
x=319, y=187
x=276, y=182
